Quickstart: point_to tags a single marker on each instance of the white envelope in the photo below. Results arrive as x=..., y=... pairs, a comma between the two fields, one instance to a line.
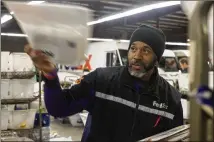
x=60, y=29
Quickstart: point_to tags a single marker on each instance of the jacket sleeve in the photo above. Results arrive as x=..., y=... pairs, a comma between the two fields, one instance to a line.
x=178, y=118
x=62, y=103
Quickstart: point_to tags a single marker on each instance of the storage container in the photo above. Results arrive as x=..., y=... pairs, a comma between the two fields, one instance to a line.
x=21, y=88
x=75, y=120
x=10, y=119
x=21, y=62
x=22, y=119
x=45, y=120
x=5, y=61
x=10, y=107
x=84, y=117
x=5, y=89
x=4, y=119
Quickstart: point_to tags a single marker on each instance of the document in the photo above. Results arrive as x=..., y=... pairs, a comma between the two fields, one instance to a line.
x=59, y=29
x=167, y=134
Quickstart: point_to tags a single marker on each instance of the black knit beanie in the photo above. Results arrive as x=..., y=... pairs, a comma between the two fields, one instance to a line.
x=152, y=36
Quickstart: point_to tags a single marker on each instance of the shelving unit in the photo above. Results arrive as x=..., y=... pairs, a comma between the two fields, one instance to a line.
x=29, y=133
x=18, y=101
x=20, y=132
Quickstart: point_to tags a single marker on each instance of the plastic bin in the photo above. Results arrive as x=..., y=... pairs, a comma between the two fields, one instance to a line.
x=5, y=61
x=21, y=88
x=21, y=62
x=84, y=117
x=75, y=120
x=45, y=120
x=22, y=119
x=4, y=119
x=10, y=119
x=5, y=89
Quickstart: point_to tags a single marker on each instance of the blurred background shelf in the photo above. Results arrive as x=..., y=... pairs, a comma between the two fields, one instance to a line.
x=18, y=101
x=33, y=133
x=18, y=75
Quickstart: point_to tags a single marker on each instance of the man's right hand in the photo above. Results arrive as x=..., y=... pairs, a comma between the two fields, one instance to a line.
x=42, y=61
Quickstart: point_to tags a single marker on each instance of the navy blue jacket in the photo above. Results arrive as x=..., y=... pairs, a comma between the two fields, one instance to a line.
x=121, y=108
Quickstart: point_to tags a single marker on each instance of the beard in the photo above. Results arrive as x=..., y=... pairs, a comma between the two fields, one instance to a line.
x=142, y=68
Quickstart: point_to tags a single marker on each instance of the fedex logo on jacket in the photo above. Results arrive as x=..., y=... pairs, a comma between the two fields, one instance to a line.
x=160, y=105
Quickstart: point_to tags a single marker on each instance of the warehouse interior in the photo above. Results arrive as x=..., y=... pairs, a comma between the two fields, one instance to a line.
x=23, y=107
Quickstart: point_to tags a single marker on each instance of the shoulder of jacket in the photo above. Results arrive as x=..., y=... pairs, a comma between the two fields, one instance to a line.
x=108, y=72
x=172, y=93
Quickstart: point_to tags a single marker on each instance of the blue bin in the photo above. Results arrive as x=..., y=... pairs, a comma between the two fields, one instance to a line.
x=45, y=120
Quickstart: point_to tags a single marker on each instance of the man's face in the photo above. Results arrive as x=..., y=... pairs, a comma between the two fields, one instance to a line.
x=141, y=59
x=183, y=66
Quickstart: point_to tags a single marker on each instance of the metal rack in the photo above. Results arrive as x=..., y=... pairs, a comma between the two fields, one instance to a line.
x=24, y=132
x=199, y=116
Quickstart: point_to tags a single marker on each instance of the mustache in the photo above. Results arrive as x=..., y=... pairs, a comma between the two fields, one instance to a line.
x=137, y=63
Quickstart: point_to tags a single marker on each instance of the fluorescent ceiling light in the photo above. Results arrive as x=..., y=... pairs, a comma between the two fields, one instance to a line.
x=6, y=18
x=99, y=39
x=135, y=11
x=13, y=34
x=124, y=40
x=178, y=43
x=35, y=2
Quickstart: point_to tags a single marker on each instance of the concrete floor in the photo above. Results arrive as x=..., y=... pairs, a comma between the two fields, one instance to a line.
x=66, y=130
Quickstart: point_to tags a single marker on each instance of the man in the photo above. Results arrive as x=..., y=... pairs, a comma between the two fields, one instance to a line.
x=125, y=104
x=184, y=65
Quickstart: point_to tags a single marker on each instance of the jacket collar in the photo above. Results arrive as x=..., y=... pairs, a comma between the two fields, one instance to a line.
x=130, y=81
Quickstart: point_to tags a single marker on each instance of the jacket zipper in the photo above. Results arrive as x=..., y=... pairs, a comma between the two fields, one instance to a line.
x=136, y=108
x=135, y=114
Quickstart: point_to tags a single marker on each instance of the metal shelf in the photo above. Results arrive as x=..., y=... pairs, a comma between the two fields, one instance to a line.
x=18, y=75
x=33, y=133
x=18, y=101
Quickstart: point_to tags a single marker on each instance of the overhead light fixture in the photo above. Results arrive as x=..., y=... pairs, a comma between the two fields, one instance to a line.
x=99, y=39
x=124, y=40
x=6, y=18
x=188, y=40
x=13, y=34
x=135, y=11
x=35, y=2
x=178, y=43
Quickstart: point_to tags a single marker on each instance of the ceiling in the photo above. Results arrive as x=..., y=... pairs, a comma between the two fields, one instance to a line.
x=171, y=20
